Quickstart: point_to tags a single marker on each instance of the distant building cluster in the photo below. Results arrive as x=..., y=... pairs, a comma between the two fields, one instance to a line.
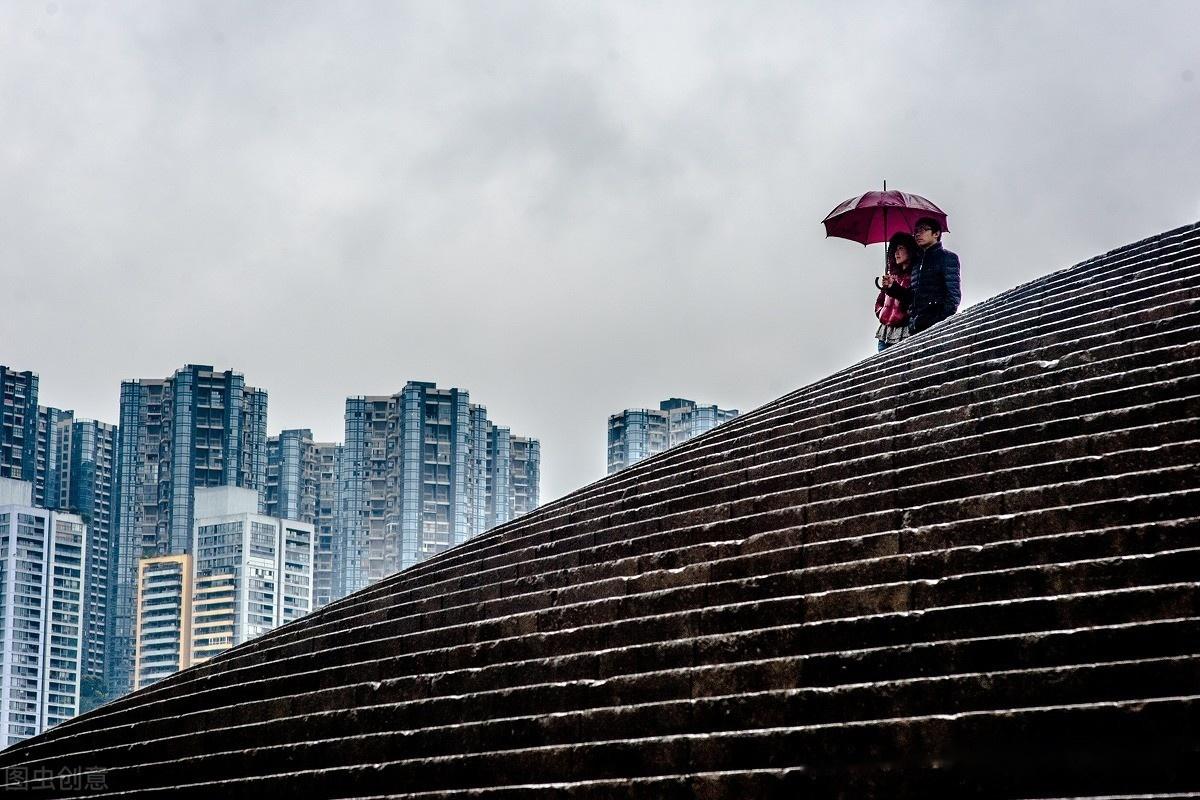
x=638, y=433
x=187, y=529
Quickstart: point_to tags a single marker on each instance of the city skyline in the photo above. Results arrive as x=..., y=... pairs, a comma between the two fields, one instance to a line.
x=421, y=470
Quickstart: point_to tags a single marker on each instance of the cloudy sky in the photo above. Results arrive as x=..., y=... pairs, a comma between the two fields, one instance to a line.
x=567, y=208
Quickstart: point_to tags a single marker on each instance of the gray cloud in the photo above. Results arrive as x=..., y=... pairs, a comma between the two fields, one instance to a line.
x=567, y=208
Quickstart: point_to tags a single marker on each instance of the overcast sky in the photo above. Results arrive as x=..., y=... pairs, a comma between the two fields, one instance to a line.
x=567, y=208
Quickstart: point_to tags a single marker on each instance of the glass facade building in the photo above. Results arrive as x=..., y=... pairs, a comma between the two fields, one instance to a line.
x=329, y=470
x=302, y=485
x=638, y=433
x=18, y=424
x=421, y=471
x=47, y=472
x=87, y=471
x=197, y=428
x=526, y=474
x=292, y=475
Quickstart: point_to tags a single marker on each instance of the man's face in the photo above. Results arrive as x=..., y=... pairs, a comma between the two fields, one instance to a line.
x=925, y=236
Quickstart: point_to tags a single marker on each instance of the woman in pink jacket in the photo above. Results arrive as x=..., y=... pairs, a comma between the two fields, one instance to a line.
x=892, y=314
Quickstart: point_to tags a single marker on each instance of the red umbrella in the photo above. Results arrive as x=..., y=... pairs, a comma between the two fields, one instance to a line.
x=876, y=216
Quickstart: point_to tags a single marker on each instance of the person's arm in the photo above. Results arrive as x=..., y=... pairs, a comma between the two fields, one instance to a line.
x=953, y=283
x=901, y=293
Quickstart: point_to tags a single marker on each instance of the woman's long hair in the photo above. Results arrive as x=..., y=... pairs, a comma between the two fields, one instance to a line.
x=906, y=241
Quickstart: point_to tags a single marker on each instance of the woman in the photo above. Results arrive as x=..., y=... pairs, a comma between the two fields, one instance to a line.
x=891, y=311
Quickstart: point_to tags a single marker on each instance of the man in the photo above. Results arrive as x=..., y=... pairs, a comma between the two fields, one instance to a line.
x=936, y=288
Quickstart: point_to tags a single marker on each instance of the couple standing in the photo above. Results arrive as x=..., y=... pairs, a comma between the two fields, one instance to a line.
x=921, y=284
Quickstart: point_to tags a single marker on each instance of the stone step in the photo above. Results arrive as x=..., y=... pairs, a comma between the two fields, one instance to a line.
x=1088, y=747
x=1065, y=518
x=1131, y=394
x=447, y=595
x=1145, y=539
x=521, y=556
x=897, y=596
x=699, y=666
x=400, y=624
x=870, y=408
x=719, y=438
x=439, y=588
x=1145, y=643
x=375, y=733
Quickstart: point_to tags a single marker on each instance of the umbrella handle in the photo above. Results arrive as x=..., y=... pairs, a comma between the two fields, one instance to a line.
x=878, y=285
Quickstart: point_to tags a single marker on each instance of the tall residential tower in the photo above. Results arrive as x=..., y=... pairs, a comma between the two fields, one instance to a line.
x=423, y=470
x=197, y=428
x=638, y=433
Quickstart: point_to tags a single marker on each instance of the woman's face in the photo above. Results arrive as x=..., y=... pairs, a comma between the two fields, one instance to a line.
x=900, y=256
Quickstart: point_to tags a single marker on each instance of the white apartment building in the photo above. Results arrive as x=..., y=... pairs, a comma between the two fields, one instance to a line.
x=247, y=573
x=41, y=605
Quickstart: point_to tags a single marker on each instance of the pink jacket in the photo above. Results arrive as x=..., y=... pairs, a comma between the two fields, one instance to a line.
x=888, y=309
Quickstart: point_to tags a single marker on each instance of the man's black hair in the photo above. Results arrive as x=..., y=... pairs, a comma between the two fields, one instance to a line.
x=933, y=224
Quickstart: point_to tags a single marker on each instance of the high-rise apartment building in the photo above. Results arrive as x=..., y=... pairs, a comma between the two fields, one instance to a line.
x=197, y=428
x=638, y=433
x=247, y=573
x=18, y=423
x=47, y=473
x=164, y=618
x=329, y=460
x=292, y=475
x=526, y=474
x=302, y=483
x=41, y=608
x=87, y=472
x=252, y=572
x=419, y=475
x=498, y=474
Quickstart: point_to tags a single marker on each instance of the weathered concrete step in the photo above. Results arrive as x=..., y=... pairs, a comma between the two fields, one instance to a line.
x=1126, y=642
x=855, y=648
x=952, y=443
x=723, y=455
x=1102, y=745
x=867, y=415
x=371, y=660
x=525, y=567
x=474, y=603
x=373, y=733
x=406, y=628
x=505, y=567
x=507, y=563
x=511, y=549
x=802, y=405
x=788, y=509
x=873, y=468
x=1131, y=510
x=1124, y=540
x=1063, y=518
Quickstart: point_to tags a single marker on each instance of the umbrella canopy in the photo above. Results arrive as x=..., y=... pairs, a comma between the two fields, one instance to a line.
x=877, y=216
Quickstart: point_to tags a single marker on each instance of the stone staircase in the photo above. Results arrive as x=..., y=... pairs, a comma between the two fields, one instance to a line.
x=967, y=565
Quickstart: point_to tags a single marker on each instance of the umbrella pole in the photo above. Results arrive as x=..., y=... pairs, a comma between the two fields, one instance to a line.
x=885, y=236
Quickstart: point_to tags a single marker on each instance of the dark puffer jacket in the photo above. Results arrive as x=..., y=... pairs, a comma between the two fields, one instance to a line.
x=936, y=288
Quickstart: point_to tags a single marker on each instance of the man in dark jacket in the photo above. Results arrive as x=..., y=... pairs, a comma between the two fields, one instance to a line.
x=936, y=288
